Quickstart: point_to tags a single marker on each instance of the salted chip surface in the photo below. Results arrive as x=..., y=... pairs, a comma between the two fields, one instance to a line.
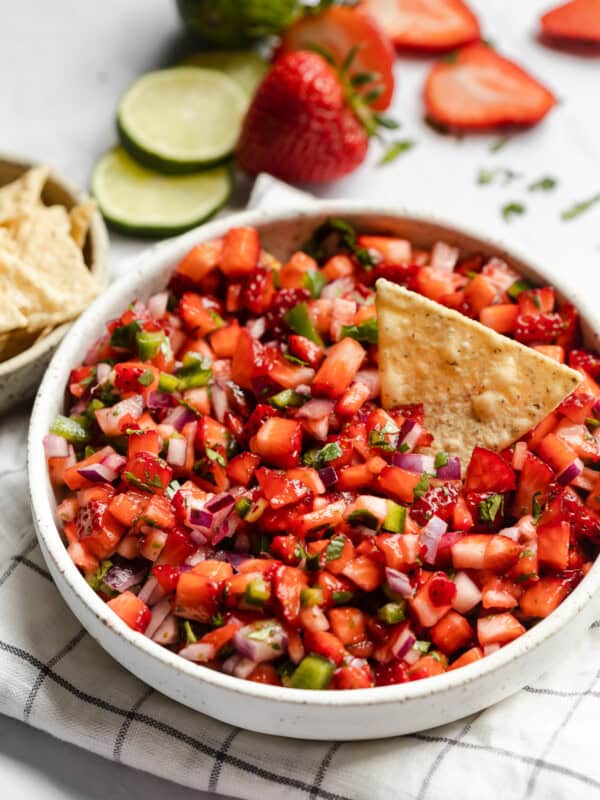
x=19, y=198
x=477, y=386
x=81, y=218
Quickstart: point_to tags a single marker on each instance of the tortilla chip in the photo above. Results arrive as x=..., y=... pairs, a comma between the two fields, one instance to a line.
x=20, y=197
x=477, y=387
x=10, y=315
x=81, y=218
x=44, y=243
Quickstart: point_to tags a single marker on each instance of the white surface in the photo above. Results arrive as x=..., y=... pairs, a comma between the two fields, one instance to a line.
x=63, y=65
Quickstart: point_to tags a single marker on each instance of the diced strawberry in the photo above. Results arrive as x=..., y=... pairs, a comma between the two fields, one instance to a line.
x=127, y=506
x=556, y=452
x=348, y=624
x=224, y=340
x=479, y=293
x=501, y=553
x=428, y=666
x=400, y=552
x=288, y=583
x=337, y=372
x=241, y=252
x=249, y=361
x=498, y=629
x=198, y=318
x=133, y=611
x=325, y=644
x=438, y=501
x=178, y=547
x=472, y=655
x=501, y=318
x=553, y=545
x=279, y=489
x=543, y=597
x=497, y=593
x=540, y=328
x=399, y=483
x=241, y=468
x=488, y=472
x=148, y=472
x=167, y=576
x=435, y=283
x=305, y=350
x=197, y=596
x=534, y=479
x=366, y=573
x=578, y=406
x=286, y=548
x=451, y=633
x=200, y=260
x=469, y=551
x=532, y=301
x=391, y=673
x=265, y=673
x=143, y=442
x=579, y=439
x=589, y=362
x=426, y=611
x=258, y=291
x=278, y=441
x=353, y=676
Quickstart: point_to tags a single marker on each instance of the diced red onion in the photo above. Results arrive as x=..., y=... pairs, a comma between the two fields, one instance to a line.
x=317, y=428
x=315, y=409
x=412, y=462
x=399, y=582
x=451, y=470
x=403, y=643
x=198, y=651
x=179, y=416
x=235, y=559
x=168, y=632
x=244, y=668
x=157, y=304
x=114, y=461
x=444, y=257
x=146, y=592
x=158, y=399
x=596, y=408
x=110, y=418
x=257, y=327
x=159, y=614
x=220, y=502
x=587, y=479
x=157, y=595
x=103, y=371
x=199, y=518
x=272, y=642
x=410, y=433
x=431, y=535
x=412, y=656
x=177, y=451
x=79, y=408
x=196, y=558
x=467, y=593
x=510, y=533
x=91, y=357
x=124, y=574
x=337, y=288
x=55, y=446
x=219, y=400
x=370, y=378
x=227, y=528
x=570, y=472
x=98, y=473
x=328, y=476
x=519, y=455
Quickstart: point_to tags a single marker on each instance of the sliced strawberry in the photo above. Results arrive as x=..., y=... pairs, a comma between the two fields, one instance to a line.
x=578, y=20
x=426, y=24
x=337, y=31
x=534, y=479
x=480, y=89
x=488, y=472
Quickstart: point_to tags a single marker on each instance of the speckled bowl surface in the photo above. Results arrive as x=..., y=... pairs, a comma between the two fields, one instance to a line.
x=21, y=374
x=362, y=714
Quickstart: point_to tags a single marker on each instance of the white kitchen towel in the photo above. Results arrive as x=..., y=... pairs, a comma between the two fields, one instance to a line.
x=541, y=743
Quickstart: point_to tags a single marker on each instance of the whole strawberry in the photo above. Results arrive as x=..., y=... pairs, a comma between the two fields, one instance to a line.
x=302, y=125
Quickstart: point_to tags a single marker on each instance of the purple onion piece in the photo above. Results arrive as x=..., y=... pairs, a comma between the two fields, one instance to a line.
x=410, y=433
x=412, y=462
x=98, y=473
x=431, y=536
x=168, y=632
x=158, y=399
x=219, y=502
x=199, y=518
x=198, y=651
x=146, y=591
x=219, y=401
x=125, y=573
x=236, y=559
x=157, y=304
x=570, y=472
x=329, y=476
x=102, y=372
x=403, y=644
x=227, y=528
x=315, y=409
x=244, y=668
x=261, y=641
x=114, y=461
x=177, y=451
x=159, y=614
x=55, y=446
x=399, y=582
x=450, y=471
x=179, y=416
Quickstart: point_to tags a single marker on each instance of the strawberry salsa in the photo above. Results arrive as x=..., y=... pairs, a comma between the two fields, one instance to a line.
x=233, y=489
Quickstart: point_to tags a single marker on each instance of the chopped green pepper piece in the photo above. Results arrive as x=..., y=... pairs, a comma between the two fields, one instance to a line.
x=515, y=289
x=94, y=405
x=257, y=592
x=392, y=613
x=148, y=343
x=421, y=646
x=70, y=429
x=167, y=382
x=124, y=336
x=341, y=597
x=314, y=281
x=194, y=372
x=313, y=596
x=395, y=518
x=335, y=548
x=298, y=319
x=288, y=398
x=441, y=460
x=363, y=517
x=243, y=506
x=313, y=672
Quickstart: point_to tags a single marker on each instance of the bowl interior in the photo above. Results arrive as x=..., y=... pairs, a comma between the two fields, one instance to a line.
x=282, y=234
x=57, y=191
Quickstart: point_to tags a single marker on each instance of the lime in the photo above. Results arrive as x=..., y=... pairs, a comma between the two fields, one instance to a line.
x=138, y=200
x=245, y=67
x=234, y=23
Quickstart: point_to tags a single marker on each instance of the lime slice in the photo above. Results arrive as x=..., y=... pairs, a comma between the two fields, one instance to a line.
x=181, y=119
x=138, y=200
x=245, y=67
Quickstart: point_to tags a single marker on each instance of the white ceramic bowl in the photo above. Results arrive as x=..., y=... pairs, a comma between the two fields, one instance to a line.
x=21, y=374
x=362, y=714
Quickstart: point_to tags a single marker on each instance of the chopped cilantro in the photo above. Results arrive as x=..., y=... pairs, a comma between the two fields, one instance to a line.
x=293, y=360
x=396, y=149
x=316, y=458
x=190, y=636
x=213, y=455
x=580, y=208
x=95, y=580
x=335, y=548
x=545, y=184
x=536, y=507
x=217, y=620
x=365, y=332
x=512, y=209
x=499, y=144
x=489, y=508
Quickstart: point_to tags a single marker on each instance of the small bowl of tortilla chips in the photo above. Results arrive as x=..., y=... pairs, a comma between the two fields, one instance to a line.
x=53, y=263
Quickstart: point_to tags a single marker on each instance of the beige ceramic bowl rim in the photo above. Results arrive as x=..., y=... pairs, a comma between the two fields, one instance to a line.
x=143, y=647
x=98, y=268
